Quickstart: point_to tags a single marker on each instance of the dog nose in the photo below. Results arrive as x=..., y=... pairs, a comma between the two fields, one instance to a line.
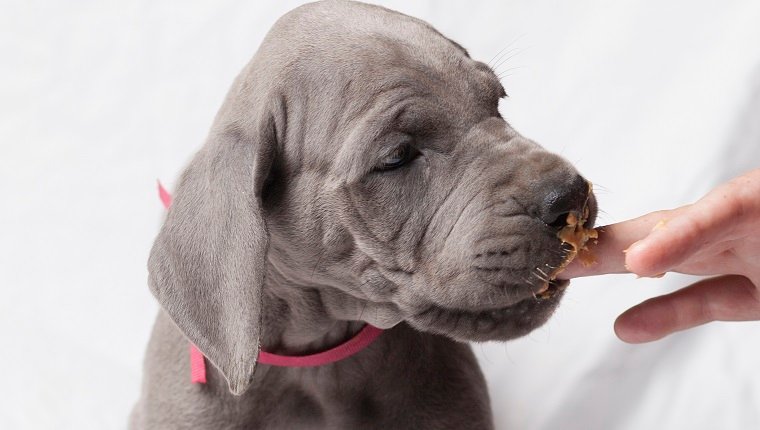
x=564, y=199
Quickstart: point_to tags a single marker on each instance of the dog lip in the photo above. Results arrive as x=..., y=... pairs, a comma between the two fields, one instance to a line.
x=517, y=292
x=552, y=288
x=499, y=324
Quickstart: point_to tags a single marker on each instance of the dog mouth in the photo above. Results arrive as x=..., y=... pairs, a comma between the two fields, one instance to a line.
x=503, y=323
x=520, y=317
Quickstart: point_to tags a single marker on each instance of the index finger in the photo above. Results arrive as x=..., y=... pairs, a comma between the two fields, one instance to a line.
x=609, y=249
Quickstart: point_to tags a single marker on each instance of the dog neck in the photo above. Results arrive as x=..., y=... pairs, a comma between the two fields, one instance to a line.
x=295, y=320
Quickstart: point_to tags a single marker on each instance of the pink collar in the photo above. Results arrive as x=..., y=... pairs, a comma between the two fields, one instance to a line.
x=363, y=339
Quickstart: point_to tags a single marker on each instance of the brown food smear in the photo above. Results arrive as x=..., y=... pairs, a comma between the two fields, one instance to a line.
x=577, y=236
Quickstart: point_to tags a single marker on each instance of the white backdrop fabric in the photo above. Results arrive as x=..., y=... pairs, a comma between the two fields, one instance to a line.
x=656, y=102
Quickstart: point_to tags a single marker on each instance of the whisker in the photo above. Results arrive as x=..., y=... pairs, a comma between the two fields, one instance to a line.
x=539, y=277
x=499, y=54
x=507, y=58
x=600, y=187
x=509, y=45
x=504, y=73
x=508, y=55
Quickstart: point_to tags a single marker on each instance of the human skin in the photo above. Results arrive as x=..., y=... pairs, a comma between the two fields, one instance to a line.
x=717, y=237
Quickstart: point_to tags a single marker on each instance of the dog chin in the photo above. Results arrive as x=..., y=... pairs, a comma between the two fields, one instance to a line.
x=499, y=324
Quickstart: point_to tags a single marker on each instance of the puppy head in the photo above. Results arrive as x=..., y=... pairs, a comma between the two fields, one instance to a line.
x=361, y=153
x=401, y=193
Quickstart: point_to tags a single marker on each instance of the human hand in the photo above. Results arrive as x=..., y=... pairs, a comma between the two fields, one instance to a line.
x=717, y=235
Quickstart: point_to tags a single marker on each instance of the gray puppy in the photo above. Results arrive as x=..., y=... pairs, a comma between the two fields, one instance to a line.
x=357, y=172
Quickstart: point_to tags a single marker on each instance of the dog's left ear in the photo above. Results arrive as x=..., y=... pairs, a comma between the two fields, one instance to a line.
x=208, y=262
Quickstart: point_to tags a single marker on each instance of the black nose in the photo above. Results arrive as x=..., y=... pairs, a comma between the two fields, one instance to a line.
x=564, y=199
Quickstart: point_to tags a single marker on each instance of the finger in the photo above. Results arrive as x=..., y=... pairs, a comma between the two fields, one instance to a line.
x=725, y=298
x=609, y=249
x=711, y=220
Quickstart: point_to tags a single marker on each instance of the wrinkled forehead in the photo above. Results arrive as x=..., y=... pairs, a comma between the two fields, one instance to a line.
x=427, y=64
x=349, y=80
x=399, y=89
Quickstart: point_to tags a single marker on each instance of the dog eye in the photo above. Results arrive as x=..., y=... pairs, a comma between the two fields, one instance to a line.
x=400, y=156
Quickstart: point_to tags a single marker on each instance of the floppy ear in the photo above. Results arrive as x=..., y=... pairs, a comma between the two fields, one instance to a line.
x=207, y=264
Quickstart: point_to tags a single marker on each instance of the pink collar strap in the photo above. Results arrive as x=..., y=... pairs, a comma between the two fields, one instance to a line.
x=363, y=339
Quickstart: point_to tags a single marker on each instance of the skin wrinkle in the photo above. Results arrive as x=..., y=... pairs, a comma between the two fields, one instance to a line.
x=420, y=299
x=372, y=153
x=498, y=202
x=315, y=201
x=520, y=206
x=400, y=83
x=368, y=279
x=297, y=139
x=425, y=233
x=406, y=94
x=456, y=221
x=499, y=185
x=349, y=193
x=319, y=260
x=478, y=241
x=281, y=108
x=347, y=115
x=396, y=110
x=402, y=226
x=430, y=220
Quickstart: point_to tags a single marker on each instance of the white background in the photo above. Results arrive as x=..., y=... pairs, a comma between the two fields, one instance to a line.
x=653, y=101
